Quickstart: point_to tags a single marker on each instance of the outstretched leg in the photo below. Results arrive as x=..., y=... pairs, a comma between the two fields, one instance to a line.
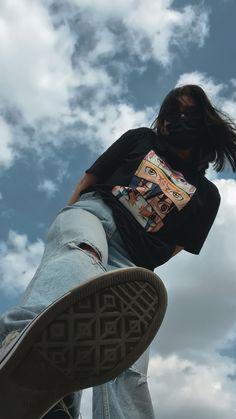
x=68, y=261
x=51, y=357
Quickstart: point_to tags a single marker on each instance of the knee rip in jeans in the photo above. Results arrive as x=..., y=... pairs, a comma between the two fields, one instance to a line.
x=88, y=247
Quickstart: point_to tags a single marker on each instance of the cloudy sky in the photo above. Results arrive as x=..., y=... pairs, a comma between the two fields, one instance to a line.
x=75, y=75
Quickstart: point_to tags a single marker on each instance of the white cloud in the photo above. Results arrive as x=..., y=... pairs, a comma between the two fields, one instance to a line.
x=182, y=389
x=49, y=187
x=156, y=26
x=18, y=262
x=7, y=152
x=151, y=27
x=111, y=122
x=35, y=68
x=45, y=61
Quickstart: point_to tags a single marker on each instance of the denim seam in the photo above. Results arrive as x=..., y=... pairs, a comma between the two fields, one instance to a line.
x=105, y=402
x=57, y=227
x=111, y=233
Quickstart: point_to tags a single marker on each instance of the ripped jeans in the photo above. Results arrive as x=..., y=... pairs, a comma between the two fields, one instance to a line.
x=65, y=265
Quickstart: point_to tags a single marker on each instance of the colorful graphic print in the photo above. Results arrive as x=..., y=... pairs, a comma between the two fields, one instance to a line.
x=154, y=191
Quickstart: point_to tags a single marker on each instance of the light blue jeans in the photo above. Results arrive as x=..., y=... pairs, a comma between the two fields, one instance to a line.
x=65, y=265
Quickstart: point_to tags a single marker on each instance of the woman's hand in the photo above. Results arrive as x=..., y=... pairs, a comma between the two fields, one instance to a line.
x=87, y=180
x=177, y=249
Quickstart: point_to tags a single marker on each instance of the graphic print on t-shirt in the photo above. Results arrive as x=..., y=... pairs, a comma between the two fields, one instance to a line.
x=154, y=191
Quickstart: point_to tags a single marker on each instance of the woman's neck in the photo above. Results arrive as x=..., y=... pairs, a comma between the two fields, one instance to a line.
x=185, y=154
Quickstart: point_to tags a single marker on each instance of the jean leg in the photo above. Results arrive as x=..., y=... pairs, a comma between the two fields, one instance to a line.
x=64, y=265
x=128, y=395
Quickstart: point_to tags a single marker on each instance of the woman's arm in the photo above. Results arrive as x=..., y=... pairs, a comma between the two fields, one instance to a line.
x=87, y=180
x=177, y=249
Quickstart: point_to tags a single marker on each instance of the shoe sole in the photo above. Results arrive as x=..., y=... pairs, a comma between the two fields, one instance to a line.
x=85, y=338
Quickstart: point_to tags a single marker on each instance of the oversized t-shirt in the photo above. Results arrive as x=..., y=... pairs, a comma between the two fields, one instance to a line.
x=158, y=199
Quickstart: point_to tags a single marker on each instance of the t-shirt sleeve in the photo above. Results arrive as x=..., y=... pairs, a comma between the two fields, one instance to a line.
x=110, y=160
x=198, y=227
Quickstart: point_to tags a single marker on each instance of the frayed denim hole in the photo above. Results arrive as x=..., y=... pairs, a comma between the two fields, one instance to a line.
x=74, y=245
x=95, y=259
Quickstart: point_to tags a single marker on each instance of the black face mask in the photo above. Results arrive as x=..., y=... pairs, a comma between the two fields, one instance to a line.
x=185, y=130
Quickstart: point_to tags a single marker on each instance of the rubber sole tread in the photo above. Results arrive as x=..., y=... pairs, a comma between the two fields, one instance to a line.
x=85, y=338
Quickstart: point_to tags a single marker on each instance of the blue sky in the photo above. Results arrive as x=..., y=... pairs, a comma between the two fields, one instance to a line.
x=75, y=75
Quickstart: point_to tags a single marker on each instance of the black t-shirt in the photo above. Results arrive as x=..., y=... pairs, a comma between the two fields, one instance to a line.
x=158, y=199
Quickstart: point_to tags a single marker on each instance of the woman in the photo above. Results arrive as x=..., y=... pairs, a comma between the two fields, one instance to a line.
x=149, y=194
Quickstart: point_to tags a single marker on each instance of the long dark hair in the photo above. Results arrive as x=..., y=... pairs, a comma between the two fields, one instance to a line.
x=219, y=143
